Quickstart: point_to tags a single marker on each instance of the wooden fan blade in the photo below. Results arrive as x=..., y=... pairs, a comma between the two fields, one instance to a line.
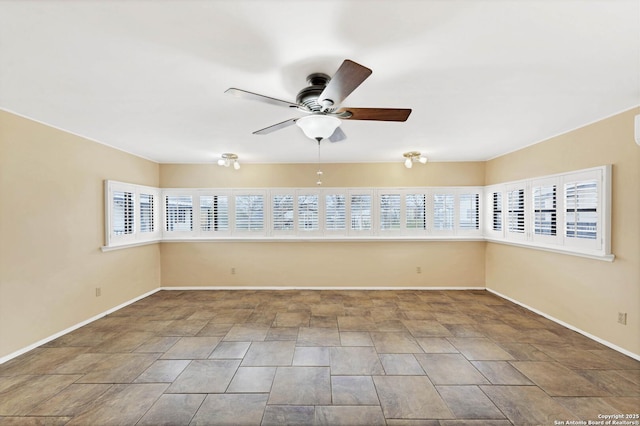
x=375, y=114
x=275, y=127
x=239, y=93
x=349, y=76
x=337, y=136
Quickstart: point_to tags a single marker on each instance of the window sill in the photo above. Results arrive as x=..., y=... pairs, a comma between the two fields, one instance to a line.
x=128, y=245
x=595, y=256
x=293, y=239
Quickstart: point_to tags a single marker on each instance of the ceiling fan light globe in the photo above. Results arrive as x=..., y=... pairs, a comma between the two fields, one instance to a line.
x=236, y=165
x=423, y=160
x=318, y=126
x=221, y=162
x=408, y=163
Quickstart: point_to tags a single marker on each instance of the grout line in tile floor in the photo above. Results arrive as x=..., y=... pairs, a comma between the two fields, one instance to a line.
x=332, y=357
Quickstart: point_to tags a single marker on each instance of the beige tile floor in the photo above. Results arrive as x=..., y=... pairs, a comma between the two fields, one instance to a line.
x=319, y=357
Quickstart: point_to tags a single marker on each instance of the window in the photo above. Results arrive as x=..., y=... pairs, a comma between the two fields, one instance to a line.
x=496, y=213
x=390, y=212
x=282, y=214
x=360, y=212
x=123, y=214
x=308, y=218
x=335, y=212
x=515, y=211
x=131, y=214
x=567, y=212
x=443, y=212
x=469, y=211
x=544, y=210
x=249, y=212
x=416, y=211
x=581, y=201
x=147, y=222
x=179, y=213
x=214, y=213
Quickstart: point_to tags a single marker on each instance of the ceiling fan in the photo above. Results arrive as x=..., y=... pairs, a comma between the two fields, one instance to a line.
x=322, y=99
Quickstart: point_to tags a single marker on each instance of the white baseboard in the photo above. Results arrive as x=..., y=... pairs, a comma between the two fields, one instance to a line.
x=74, y=327
x=314, y=288
x=567, y=325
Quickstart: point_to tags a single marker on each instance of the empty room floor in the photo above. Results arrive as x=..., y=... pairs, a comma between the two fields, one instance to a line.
x=305, y=357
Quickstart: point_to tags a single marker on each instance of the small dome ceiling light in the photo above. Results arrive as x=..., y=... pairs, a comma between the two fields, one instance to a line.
x=318, y=126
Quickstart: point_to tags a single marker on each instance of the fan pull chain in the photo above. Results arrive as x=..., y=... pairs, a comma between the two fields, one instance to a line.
x=319, y=172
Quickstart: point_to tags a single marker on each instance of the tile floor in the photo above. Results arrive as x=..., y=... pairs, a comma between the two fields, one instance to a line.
x=319, y=357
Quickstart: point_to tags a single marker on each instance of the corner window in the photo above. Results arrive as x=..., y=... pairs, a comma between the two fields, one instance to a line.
x=569, y=212
x=132, y=213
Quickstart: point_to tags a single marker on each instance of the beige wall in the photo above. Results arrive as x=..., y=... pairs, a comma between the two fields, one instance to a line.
x=586, y=293
x=323, y=264
x=334, y=175
x=52, y=228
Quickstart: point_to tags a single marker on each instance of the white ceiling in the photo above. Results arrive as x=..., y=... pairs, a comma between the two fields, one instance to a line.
x=483, y=77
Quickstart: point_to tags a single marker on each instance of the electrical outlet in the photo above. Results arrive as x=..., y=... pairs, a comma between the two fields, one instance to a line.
x=98, y=292
x=622, y=318
x=233, y=271
x=418, y=270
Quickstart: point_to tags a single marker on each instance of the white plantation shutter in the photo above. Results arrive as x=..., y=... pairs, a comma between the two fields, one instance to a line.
x=515, y=211
x=390, y=212
x=214, y=213
x=221, y=212
x=179, y=213
x=545, y=215
x=147, y=217
x=496, y=211
x=415, y=205
x=469, y=213
x=360, y=212
x=335, y=212
x=131, y=214
x=568, y=212
x=308, y=218
x=249, y=212
x=282, y=212
x=207, y=215
x=123, y=213
x=443, y=212
x=581, y=209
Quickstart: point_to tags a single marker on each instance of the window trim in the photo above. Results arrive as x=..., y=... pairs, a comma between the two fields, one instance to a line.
x=600, y=249
x=137, y=237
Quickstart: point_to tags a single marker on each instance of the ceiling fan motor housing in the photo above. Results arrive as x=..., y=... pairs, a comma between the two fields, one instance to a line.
x=308, y=97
